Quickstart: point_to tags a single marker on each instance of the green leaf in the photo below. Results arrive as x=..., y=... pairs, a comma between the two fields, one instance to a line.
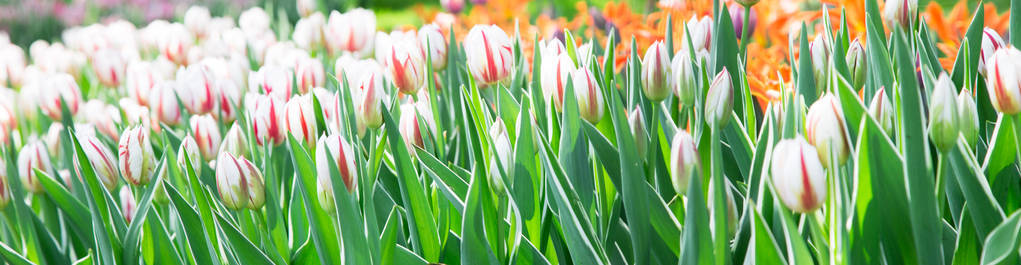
x=11, y=256
x=575, y=224
x=246, y=252
x=1001, y=150
x=75, y=210
x=985, y=211
x=763, y=248
x=725, y=55
x=974, y=33
x=194, y=234
x=1001, y=247
x=475, y=247
x=322, y=230
x=420, y=217
x=696, y=242
x=806, y=77
x=131, y=240
x=1015, y=23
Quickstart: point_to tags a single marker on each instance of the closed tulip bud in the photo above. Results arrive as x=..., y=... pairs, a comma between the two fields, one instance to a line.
x=164, y=104
x=824, y=128
x=254, y=21
x=503, y=154
x=108, y=64
x=306, y=7
x=128, y=205
x=719, y=100
x=737, y=17
x=310, y=74
x=196, y=19
x=12, y=65
x=352, y=32
x=637, y=122
x=406, y=66
x=52, y=138
x=856, y=62
x=268, y=121
x=5, y=191
x=656, y=72
x=136, y=159
x=102, y=116
x=684, y=82
x=943, y=114
x=308, y=32
x=231, y=183
x=798, y=176
x=8, y=122
x=343, y=158
x=207, y=135
x=489, y=54
x=235, y=141
x=589, y=95
x=140, y=77
x=584, y=55
x=301, y=119
x=174, y=42
x=430, y=37
x=57, y=87
x=452, y=6
x=684, y=161
x=991, y=41
x=968, y=116
x=881, y=109
x=411, y=129
x=900, y=12
x=272, y=80
x=369, y=101
x=188, y=154
x=820, y=52
x=196, y=88
x=1003, y=82
x=102, y=160
x=553, y=78
x=33, y=156
x=228, y=101
x=256, y=184
x=701, y=30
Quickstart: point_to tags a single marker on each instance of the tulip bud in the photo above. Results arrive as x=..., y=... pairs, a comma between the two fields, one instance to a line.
x=57, y=87
x=196, y=19
x=656, y=72
x=584, y=55
x=406, y=66
x=737, y=18
x=102, y=116
x=553, y=78
x=254, y=21
x=207, y=135
x=489, y=54
x=268, y=121
x=589, y=95
x=33, y=156
x=175, y=41
x=881, y=109
x=820, y=52
x=701, y=31
x=1003, y=82
x=308, y=32
x=188, y=154
x=12, y=66
x=136, y=160
x=141, y=77
x=231, y=183
x=8, y=122
x=900, y=12
x=196, y=87
x=128, y=205
x=684, y=161
x=273, y=81
x=410, y=128
x=256, y=184
x=353, y=32
x=637, y=122
x=164, y=104
x=430, y=37
x=856, y=62
x=798, y=176
x=101, y=159
x=943, y=114
x=5, y=191
x=306, y=7
x=452, y=6
x=683, y=80
x=235, y=141
x=369, y=101
x=968, y=116
x=310, y=74
x=343, y=158
x=991, y=41
x=503, y=154
x=229, y=101
x=301, y=119
x=109, y=67
x=824, y=128
x=719, y=100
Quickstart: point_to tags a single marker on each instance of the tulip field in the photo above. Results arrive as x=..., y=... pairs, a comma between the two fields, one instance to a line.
x=517, y=132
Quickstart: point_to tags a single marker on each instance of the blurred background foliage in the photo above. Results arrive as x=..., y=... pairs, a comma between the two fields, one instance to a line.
x=30, y=20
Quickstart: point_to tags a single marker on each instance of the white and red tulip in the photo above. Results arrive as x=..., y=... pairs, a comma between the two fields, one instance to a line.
x=502, y=155
x=109, y=64
x=272, y=80
x=207, y=135
x=434, y=44
x=1003, y=80
x=136, y=160
x=33, y=156
x=231, y=183
x=489, y=54
x=881, y=109
x=719, y=100
x=555, y=71
x=589, y=95
x=56, y=88
x=824, y=129
x=900, y=12
x=991, y=41
x=406, y=66
x=129, y=207
x=343, y=158
x=196, y=88
x=797, y=175
x=140, y=77
x=684, y=161
x=310, y=74
x=656, y=72
x=943, y=114
x=301, y=119
x=268, y=123
x=163, y=103
x=352, y=32
x=235, y=141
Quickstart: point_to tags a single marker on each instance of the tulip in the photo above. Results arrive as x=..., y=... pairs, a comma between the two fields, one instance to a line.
x=656, y=72
x=503, y=155
x=207, y=135
x=719, y=100
x=104, y=117
x=140, y=77
x=229, y=101
x=369, y=100
x=231, y=183
x=900, y=12
x=12, y=66
x=554, y=74
x=684, y=82
x=968, y=116
x=136, y=159
x=256, y=184
x=301, y=119
x=254, y=21
x=306, y=7
x=57, y=87
x=175, y=42
x=881, y=109
x=431, y=39
x=637, y=122
x=589, y=95
x=820, y=52
x=342, y=156
x=584, y=55
x=489, y=54
x=991, y=41
x=747, y=3
x=163, y=103
x=128, y=205
x=310, y=74
x=108, y=64
x=8, y=122
x=943, y=114
x=684, y=161
x=308, y=32
x=102, y=160
x=353, y=32
x=452, y=6
x=856, y=62
x=52, y=138
x=268, y=121
x=235, y=141
x=188, y=154
x=701, y=31
x=5, y=191
x=797, y=175
x=196, y=88
x=33, y=156
x=406, y=66
x=196, y=19
x=1003, y=82
x=272, y=80
x=737, y=17
x=410, y=127
x=824, y=128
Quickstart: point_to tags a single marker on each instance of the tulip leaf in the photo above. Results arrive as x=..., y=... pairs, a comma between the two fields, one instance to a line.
x=1001, y=246
x=696, y=241
x=244, y=249
x=1001, y=150
x=322, y=228
x=985, y=211
x=351, y=225
x=574, y=149
x=452, y=186
x=1015, y=23
x=475, y=248
x=194, y=233
x=763, y=248
x=420, y=217
x=11, y=256
x=725, y=56
x=75, y=209
x=131, y=240
x=806, y=77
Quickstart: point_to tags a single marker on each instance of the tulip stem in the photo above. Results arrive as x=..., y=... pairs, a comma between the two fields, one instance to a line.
x=1017, y=138
x=719, y=203
x=744, y=30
